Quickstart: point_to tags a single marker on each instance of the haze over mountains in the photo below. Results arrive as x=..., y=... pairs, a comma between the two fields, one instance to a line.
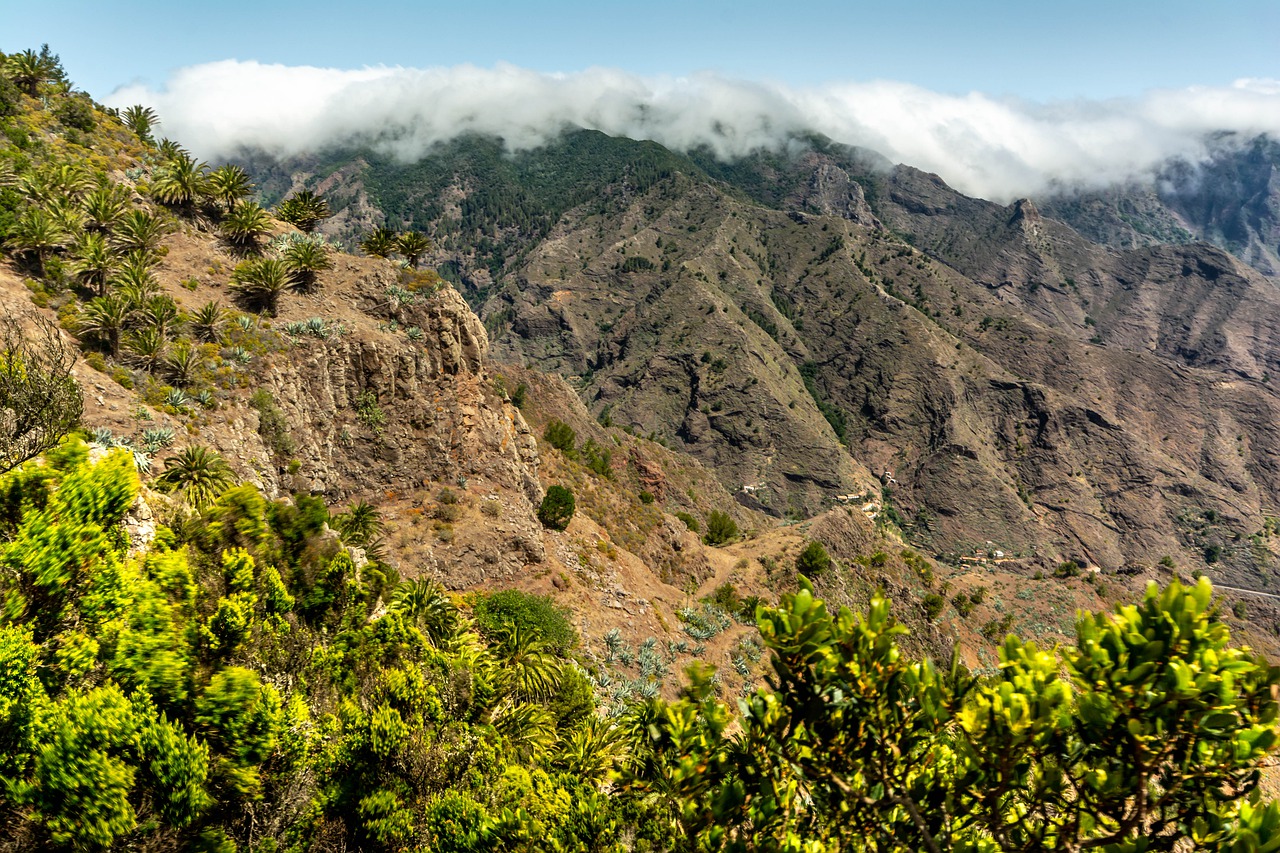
x=985, y=146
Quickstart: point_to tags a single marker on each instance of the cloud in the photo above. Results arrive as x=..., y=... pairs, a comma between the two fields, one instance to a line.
x=990, y=147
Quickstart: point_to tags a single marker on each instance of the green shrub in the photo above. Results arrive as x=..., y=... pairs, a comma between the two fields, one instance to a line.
x=272, y=425
x=561, y=436
x=646, y=497
x=933, y=605
x=689, y=521
x=964, y=604
x=813, y=560
x=721, y=528
x=1069, y=569
x=598, y=459
x=496, y=613
x=556, y=508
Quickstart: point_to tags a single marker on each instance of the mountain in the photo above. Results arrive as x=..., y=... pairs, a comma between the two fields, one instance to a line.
x=821, y=323
x=1230, y=199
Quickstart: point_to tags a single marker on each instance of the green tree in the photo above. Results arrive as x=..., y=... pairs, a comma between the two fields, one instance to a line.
x=721, y=528
x=229, y=184
x=244, y=225
x=105, y=319
x=104, y=206
x=306, y=259
x=413, y=245
x=304, y=210
x=556, y=508
x=198, y=473
x=141, y=120
x=29, y=70
x=813, y=560
x=36, y=233
x=94, y=262
x=1147, y=734
x=208, y=322
x=181, y=182
x=562, y=437
x=379, y=243
x=260, y=281
x=139, y=231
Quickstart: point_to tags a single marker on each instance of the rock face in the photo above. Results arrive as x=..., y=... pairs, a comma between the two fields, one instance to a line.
x=442, y=419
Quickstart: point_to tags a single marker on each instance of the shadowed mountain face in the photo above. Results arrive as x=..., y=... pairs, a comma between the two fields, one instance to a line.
x=820, y=323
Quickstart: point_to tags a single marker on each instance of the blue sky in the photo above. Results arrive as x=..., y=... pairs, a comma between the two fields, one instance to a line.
x=1034, y=50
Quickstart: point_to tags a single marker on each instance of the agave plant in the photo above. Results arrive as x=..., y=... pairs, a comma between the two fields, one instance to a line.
x=317, y=327
x=414, y=333
x=206, y=399
x=103, y=437
x=177, y=398
x=198, y=473
x=156, y=438
x=296, y=328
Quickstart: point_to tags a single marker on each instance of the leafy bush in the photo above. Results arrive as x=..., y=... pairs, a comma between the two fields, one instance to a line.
x=721, y=528
x=562, y=437
x=497, y=613
x=813, y=560
x=689, y=521
x=556, y=508
x=272, y=425
x=933, y=605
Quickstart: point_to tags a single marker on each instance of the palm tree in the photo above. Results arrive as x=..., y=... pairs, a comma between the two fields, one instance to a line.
x=66, y=214
x=140, y=120
x=260, y=282
x=185, y=363
x=306, y=258
x=140, y=231
x=145, y=348
x=245, y=224
x=208, y=320
x=168, y=149
x=36, y=233
x=530, y=670
x=28, y=70
x=428, y=605
x=94, y=262
x=198, y=472
x=228, y=184
x=304, y=210
x=104, y=318
x=528, y=728
x=104, y=206
x=161, y=312
x=413, y=245
x=379, y=243
x=57, y=181
x=360, y=523
x=134, y=283
x=181, y=182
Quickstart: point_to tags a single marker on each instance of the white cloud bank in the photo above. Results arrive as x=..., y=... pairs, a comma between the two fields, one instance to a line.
x=989, y=147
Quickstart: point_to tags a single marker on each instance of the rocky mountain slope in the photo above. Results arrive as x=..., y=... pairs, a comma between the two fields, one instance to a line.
x=822, y=324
